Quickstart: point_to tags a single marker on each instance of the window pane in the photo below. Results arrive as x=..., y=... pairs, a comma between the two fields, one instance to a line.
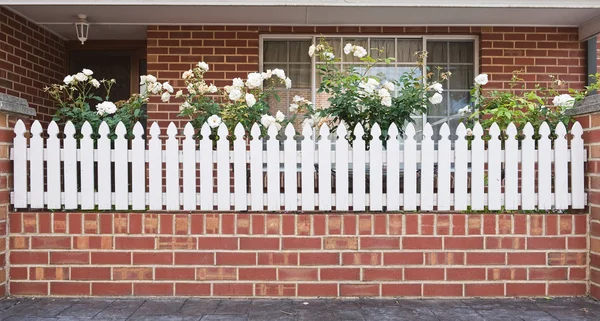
x=441, y=109
x=275, y=51
x=335, y=43
x=299, y=51
x=458, y=100
x=387, y=45
x=407, y=50
x=461, y=52
x=300, y=75
x=462, y=77
x=437, y=52
x=384, y=72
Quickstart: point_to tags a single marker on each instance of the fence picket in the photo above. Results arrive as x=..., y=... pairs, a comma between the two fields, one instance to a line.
x=189, y=168
x=324, y=168
x=494, y=168
x=223, y=169
x=172, y=168
x=561, y=168
x=577, y=167
x=358, y=169
x=239, y=169
x=477, y=169
x=272, y=169
x=206, y=169
x=155, y=168
x=53, y=167
x=290, y=169
x=341, y=169
x=121, y=169
x=308, y=169
x=376, y=170
x=393, y=169
x=86, y=152
x=36, y=164
x=256, y=169
x=461, y=153
x=511, y=169
x=20, y=166
x=104, y=168
x=427, y=169
x=70, y=167
x=443, y=176
x=528, y=155
x=544, y=168
x=138, y=169
x=410, y=169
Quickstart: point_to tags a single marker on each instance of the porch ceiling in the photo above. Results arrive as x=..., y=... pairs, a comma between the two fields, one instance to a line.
x=128, y=21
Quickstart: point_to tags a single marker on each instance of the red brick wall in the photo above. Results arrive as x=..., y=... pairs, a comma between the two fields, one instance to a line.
x=233, y=51
x=31, y=58
x=223, y=255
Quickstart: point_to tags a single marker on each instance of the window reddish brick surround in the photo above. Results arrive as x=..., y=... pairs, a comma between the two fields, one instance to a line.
x=31, y=58
x=303, y=255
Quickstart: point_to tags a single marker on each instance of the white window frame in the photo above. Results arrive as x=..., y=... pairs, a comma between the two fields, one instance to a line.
x=314, y=38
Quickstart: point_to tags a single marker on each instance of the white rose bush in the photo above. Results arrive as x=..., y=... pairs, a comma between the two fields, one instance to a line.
x=81, y=98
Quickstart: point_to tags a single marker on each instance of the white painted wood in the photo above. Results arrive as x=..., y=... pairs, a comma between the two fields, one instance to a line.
x=223, y=169
x=577, y=167
x=272, y=169
x=511, y=169
x=477, y=170
x=376, y=170
x=358, y=170
x=155, y=168
x=53, y=184
x=86, y=152
x=104, y=168
x=324, y=168
x=70, y=167
x=308, y=169
x=172, y=168
x=544, y=169
x=36, y=166
x=410, y=169
x=461, y=154
x=189, y=168
x=341, y=169
x=121, y=169
x=206, y=169
x=239, y=169
x=443, y=175
x=290, y=169
x=494, y=179
x=256, y=169
x=427, y=160
x=138, y=169
x=561, y=168
x=528, y=156
x=20, y=166
x=393, y=169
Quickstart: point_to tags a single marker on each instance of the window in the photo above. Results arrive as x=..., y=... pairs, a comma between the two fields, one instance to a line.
x=454, y=54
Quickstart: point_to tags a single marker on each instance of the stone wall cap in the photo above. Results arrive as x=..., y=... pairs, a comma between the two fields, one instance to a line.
x=15, y=105
x=589, y=105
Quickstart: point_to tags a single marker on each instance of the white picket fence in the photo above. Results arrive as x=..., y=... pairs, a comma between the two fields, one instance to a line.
x=402, y=174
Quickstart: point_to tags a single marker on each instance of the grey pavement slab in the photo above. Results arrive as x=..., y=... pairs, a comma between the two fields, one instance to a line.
x=179, y=309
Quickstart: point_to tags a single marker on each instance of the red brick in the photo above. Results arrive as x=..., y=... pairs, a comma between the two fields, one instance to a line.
x=301, y=243
x=319, y=259
x=401, y=290
x=174, y=273
x=262, y=243
x=232, y=289
x=50, y=242
x=100, y=258
x=382, y=274
x=317, y=290
x=298, y=274
x=421, y=243
x=465, y=274
x=427, y=224
x=194, y=258
x=444, y=258
x=548, y=273
x=216, y=273
x=361, y=258
x=402, y=258
x=262, y=274
x=153, y=289
x=28, y=288
x=339, y=274
x=340, y=243
x=236, y=258
x=350, y=223
x=527, y=258
x=412, y=224
x=463, y=243
x=19, y=257
x=217, y=243
x=360, y=290
x=567, y=289
x=132, y=273
x=272, y=289
x=443, y=224
x=286, y=258
x=485, y=289
x=69, y=288
x=442, y=290
x=192, y=289
x=423, y=274
x=75, y=223
x=481, y=258
x=157, y=258
x=369, y=243
x=90, y=273
x=546, y=243
x=458, y=224
x=112, y=289
x=69, y=258
x=525, y=289
x=134, y=243
x=507, y=242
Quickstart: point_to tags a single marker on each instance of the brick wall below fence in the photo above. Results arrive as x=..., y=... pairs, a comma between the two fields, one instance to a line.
x=297, y=255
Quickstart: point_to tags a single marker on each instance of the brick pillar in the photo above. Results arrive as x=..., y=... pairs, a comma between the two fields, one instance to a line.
x=11, y=109
x=588, y=114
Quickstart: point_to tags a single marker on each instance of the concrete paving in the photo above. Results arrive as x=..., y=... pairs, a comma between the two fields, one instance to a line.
x=71, y=309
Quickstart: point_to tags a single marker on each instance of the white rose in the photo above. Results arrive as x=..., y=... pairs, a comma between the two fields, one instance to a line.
x=311, y=50
x=214, y=121
x=165, y=97
x=564, y=100
x=436, y=86
x=288, y=83
x=179, y=94
x=187, y=74
x=383, y=93
x=308, y=121
x=481, y=79
x=143, y=80
x=359, y=51
x=235, y=94
x=95, y=83
x=298, y=99
x=203, y=66
x=436, y=98
x=106, y=107
x=267, y=75
x=293, y=108
x=279, y=116
x=386, y=101
x=267, y=120
x=156, y=87
x=80, y=76
x=87, y=72
x=250, y=100
x=150, y=78
x=184, y=106
x=469, y=132
x=254, y=80
x=348, y=48
x=329, y=55
x=389, y=86
x=212, y=89
x=279, y=73
x=238, y=83
x=68, y=80
x=166, y=86
x=191, y=89
x=465, y=110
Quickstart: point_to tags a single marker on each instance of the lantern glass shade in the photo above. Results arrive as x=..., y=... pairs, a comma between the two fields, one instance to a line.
x=82, y=31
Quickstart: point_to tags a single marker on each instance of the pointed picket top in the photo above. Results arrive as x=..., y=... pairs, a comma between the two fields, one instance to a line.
x=477, y=130
x=138, y=129
x=461, y=131
x=511, y=130
x=86, y=129
x=544, y=130
x=445, y=131
x=560, y=130
x=359, y=131
x=20, y=128
x=120, y=130
x=36, y=128
x=188, y=130
x=410, y=131
x=154, y=130
x=103, y=130
x=69, y=129
x=576, y=130
x=341, y=131
x=222, y=131
x=239, y=131
x=393, y=132
x=289, y=131
x=272, y=131
x=427, y=131
x=255, y=132
x=323, y=131
x=52, y=129
x=494, y=132
x=171, y=130
x=528, y=130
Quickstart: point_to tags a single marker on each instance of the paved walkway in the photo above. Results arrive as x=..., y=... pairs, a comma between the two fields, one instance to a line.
x=571, y=309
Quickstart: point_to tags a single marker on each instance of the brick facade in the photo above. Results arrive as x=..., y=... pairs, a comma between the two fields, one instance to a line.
x=31, y=58
x=296, y=255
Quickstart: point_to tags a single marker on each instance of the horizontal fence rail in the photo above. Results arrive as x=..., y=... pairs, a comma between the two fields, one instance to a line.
x=320, y=171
